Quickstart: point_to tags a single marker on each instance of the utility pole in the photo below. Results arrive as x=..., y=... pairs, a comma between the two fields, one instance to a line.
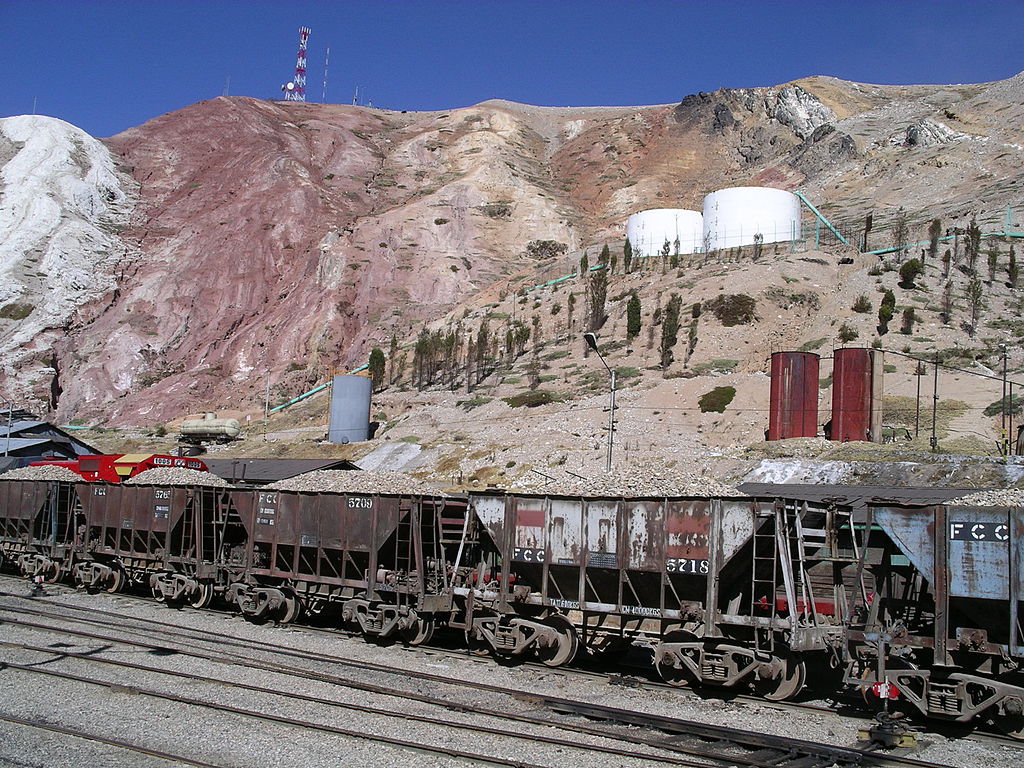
x=935, y=406
x=591, y=340
x=1005, y=446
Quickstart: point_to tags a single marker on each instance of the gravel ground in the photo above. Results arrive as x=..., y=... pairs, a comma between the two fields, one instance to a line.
x=258, y=744
x=42, y=473
x=1008, y=497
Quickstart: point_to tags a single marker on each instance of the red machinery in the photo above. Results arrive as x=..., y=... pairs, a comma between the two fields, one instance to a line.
x=118, y=467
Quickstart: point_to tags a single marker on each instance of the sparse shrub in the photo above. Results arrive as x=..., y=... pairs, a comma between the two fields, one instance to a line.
x=15, y=311
x=862, y=304
x=909, y=318
x=545, y=249
x=733, y=309
x=440, y=221
x=847, y=333
x=716, y=400
x=910, y=270
x=531, y=399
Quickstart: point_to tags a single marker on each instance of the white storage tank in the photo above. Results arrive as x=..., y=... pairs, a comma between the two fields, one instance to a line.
x=732, y=217
x=648, y=230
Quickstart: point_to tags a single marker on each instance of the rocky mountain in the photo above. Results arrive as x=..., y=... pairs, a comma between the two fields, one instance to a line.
x=191, y=262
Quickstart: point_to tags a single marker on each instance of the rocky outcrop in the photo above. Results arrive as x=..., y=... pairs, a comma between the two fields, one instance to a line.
x=63, y=203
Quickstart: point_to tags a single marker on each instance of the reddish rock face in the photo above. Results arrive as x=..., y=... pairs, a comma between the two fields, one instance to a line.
x=278, y=242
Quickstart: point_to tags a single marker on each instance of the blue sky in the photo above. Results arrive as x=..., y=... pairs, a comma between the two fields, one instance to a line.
x=106, y=65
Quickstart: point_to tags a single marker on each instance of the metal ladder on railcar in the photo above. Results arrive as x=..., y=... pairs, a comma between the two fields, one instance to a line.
x=764, y=574
x=822, y=545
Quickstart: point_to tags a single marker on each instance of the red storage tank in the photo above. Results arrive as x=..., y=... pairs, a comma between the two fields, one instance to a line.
x=856, y=395
x=794, y=395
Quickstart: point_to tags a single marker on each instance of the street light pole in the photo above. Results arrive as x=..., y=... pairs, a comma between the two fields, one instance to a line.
x=591, y=340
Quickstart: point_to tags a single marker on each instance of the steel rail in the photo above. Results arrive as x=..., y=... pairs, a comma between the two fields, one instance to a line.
x=105, y=740
x=280, y=719
x=366, y=709
x=746, y=740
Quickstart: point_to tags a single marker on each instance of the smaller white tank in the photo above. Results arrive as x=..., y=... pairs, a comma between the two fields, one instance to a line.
x=734, y=217
x=210, y=428
x=649, y=230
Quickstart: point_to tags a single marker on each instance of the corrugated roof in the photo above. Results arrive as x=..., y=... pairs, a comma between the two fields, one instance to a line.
x=19, y=426
x=263, y=471
x=13, y=444
x=856, y=495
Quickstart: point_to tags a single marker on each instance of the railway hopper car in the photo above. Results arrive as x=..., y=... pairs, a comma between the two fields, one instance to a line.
x=728, y=591
x=383, y=560
x=37, y=526
x=945, y=622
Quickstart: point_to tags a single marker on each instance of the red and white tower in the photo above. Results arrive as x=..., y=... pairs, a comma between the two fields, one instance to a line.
x=296, y=89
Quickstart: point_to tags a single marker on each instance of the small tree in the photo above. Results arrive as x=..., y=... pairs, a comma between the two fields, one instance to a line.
x=847, y=333
x=377, y=367
x=758, y=245
x=900, y=230
x=993, y=261
x=947, y=259
x=972, y=246
x=597, y=292
x=670, y=329
x=909, y=318
x=570, y=305
x=909, y=272
x=627, y=256
x=1011, y=269
x=885, y=310
x=947, y=302
x=934, y=231
x=584, y=266
x=392, y=358
x=862, y=304
x=606, y=256
x=976, y=301
x=632, y=317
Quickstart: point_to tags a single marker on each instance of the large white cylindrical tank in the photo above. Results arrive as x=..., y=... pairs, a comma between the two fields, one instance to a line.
x=649, y=230
x=733, y=217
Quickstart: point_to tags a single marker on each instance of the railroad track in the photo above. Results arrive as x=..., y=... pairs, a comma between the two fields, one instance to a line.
x=638, y=677
x=669, y=740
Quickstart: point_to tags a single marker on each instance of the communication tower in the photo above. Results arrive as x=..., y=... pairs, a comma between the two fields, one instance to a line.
x=296, y=89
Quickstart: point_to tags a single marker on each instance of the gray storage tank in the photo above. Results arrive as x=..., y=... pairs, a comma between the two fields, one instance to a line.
x=350, y=409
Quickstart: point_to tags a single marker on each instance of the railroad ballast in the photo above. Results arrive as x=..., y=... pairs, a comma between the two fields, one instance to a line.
x=730, y=591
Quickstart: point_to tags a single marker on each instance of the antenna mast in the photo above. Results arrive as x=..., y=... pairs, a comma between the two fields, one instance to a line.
x=296, y=89
x=327, y=60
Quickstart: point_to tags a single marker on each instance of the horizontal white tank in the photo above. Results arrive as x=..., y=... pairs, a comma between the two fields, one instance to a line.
x=732, y=217
x=649, y=230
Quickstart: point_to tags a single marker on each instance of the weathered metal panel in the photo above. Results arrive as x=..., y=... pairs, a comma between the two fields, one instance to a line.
x=565, y=532
x=333, y=532
x=490, y=511
x=979, y=552
x=21, y=499
x=852, y=388
x=389, y=511
x=602, y=533
x=793, y=409
x=644, y=522
x=737, y=526
x=686, y=532
x=265, y=515
x=529, y=520
x=912, y=529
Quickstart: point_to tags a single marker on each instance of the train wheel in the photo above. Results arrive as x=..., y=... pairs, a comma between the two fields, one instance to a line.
x=118, y=578
x=676, y=676
x=789, y=679
x=1011, y=725
x=292, y=609
x=419, y=633
x=565, y=648
x=202, y=596
x=52, y=573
